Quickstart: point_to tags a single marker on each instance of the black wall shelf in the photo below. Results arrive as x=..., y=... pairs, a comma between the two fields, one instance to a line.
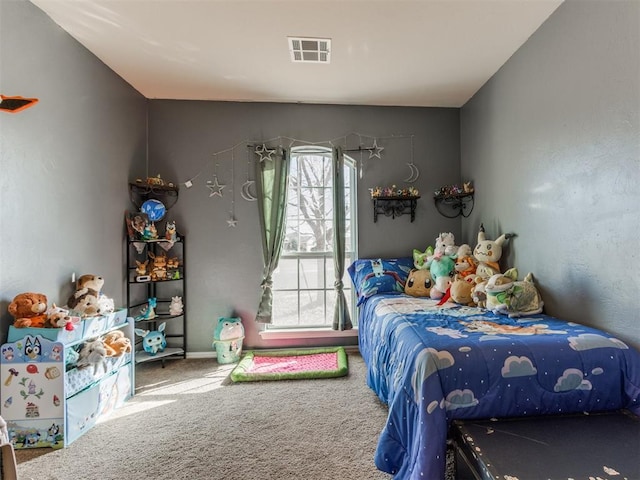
x=454, y=205
x=394, y=206
x=139, y=192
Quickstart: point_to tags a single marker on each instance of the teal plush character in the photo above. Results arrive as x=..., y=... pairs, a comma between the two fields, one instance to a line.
x=228, y=329
x=442, y=269
x=153, y=341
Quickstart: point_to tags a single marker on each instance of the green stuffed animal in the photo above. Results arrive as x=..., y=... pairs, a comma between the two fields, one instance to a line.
x=508, y=296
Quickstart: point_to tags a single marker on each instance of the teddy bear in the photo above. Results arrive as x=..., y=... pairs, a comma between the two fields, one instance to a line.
x=116, y=343
x=29, y=310
x=419, y=283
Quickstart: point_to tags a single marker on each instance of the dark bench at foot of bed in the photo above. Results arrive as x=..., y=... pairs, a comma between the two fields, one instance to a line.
x=598, y=445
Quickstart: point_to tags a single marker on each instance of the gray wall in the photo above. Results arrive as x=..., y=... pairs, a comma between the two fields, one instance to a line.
x=64, y=163
x=225, y=264
x=552, y=142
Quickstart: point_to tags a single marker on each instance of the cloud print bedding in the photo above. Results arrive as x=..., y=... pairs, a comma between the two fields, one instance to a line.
x=432, y=364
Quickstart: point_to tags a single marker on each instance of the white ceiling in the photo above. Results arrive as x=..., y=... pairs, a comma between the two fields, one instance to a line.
x=391, y=52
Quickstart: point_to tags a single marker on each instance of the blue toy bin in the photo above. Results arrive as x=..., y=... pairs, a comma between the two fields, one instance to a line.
x=227, y=339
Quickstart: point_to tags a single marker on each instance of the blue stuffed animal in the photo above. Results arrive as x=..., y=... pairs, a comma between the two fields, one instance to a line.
x=153, y=341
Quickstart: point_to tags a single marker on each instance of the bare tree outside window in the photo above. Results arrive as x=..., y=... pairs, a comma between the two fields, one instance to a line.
x=304, y=281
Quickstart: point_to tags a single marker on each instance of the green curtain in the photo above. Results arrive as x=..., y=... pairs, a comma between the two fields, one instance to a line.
x=341, y=318
x=272, y=181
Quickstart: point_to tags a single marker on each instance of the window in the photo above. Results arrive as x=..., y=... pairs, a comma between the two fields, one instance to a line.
x=303, y=283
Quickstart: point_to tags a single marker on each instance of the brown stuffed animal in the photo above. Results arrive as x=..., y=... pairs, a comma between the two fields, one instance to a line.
x=115, y=343
x=419, y=283
x=461, y=290
x=29, y=310
x=85, y=299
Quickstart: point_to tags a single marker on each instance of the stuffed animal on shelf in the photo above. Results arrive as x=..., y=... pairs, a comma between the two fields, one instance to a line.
x=176, y=306
x=170, y=231
x=488, y=253
x=85, y=298
x=93, y=354
x=159, y=266
x=149, y=311
x=153, y=341
x=419, y=283
x=141, y=267
x=508, y=296
x=116, y=343
x=29, y=309
x=88, y=299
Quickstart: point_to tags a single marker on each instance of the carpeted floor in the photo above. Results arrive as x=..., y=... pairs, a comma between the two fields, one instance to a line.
x=188, y=421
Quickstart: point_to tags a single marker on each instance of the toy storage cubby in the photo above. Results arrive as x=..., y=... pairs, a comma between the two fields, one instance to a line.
x=163, y=280
x=45, y=399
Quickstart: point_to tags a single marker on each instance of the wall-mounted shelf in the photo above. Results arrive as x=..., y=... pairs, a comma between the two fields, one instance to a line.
x=455, y=204
x=139, y=192
x=394, y=206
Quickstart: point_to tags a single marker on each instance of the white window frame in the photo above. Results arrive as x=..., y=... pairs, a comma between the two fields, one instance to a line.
x=350, y=255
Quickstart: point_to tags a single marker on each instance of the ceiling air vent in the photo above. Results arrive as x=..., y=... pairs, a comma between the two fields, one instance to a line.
x=310, y=50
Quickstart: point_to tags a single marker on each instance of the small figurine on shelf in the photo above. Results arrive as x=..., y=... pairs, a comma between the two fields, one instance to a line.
x=141, y=267
x=149, y=312
x=176, y=307
x=170, y=232
x=159, y=267
x=157, y=180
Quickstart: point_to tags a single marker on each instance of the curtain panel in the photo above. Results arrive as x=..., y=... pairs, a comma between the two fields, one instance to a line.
x=341, y=318
x=272, y=181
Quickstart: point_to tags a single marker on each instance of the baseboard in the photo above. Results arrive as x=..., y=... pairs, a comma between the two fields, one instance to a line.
x=205, y=354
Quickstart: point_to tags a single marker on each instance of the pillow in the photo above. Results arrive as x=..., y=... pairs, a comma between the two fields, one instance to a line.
x=371, y=276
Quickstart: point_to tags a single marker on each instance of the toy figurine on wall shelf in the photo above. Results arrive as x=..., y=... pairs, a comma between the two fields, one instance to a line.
x=176, y=307
x=159, y=266
x=149, y=312
x=150, y=232
x=170, y=231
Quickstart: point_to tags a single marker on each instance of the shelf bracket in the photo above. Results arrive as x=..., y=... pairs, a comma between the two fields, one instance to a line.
x=394, y=206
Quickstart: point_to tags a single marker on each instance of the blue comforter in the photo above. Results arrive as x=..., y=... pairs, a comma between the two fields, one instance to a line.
x=433, y=364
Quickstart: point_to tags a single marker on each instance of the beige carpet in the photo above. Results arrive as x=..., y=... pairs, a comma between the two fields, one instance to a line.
x=188, y=421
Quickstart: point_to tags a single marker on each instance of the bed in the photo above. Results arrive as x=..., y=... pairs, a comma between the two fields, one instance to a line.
x=432, y=364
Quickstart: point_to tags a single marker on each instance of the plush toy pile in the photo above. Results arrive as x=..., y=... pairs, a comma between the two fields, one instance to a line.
x=472, y=277
x=31, y=309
